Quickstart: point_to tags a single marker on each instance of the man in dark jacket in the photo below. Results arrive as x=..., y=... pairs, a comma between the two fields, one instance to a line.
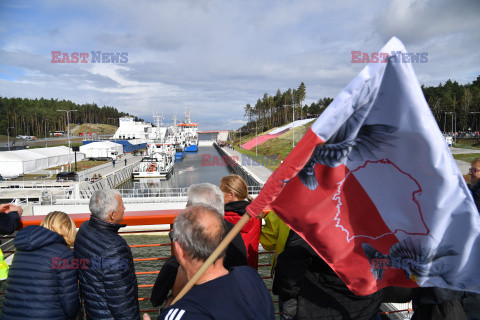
x=309, y=289
x=107, y=280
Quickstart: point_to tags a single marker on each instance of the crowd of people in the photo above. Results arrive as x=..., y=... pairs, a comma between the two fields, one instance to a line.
x=50, y=280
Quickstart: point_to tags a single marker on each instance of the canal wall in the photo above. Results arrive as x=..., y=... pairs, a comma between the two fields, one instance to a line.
x=251, y=171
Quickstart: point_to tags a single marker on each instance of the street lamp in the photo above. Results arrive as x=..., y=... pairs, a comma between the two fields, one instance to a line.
x=68, y=133
x=474, y=120
x=113, y=123
x=8, y=137
x=256, y=140
x=454, y=130
x=45, y=133
x=293, y=120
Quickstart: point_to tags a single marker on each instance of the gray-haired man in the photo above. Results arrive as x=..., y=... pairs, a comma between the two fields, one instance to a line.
x=170, y=276
x=219, y=293
x=107, y=279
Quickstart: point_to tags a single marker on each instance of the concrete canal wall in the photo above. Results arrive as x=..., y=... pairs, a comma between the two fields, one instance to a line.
x=254, y=173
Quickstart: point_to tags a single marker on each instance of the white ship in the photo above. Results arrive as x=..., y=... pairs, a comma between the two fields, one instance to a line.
x=189, y=132
x=158, y=163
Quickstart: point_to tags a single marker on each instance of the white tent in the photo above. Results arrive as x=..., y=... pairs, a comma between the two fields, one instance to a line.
x=19, y=162
x=31, y=161
x=58, y=156
x=102, y=149
x=10, y=165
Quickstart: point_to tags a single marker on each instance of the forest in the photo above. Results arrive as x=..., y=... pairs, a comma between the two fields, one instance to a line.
x=40, y=117
x=456, y=107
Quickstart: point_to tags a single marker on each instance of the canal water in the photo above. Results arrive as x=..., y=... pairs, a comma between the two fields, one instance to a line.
x=187, y=172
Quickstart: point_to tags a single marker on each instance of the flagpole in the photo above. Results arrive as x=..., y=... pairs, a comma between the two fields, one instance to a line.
x=213, y=257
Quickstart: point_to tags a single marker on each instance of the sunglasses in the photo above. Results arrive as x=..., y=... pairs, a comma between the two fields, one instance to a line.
x=473, y=170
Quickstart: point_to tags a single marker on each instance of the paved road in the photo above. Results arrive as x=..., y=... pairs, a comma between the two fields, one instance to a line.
x=463, y=165
x=463, y=151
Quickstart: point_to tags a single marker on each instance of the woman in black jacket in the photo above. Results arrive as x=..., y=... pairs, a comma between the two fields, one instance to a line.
x=309, y=289
x=42, y=281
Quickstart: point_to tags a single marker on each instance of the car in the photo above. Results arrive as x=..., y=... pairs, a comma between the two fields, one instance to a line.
x=67, y=176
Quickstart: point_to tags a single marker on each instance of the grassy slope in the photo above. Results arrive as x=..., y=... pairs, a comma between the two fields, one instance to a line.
x=276, y=149
x=90, y=127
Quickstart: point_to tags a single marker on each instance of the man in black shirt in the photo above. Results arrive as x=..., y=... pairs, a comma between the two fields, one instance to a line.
x=219, y=293
x=236, y=254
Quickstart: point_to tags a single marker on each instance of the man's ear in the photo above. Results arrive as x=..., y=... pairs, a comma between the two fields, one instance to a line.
x=179, y=253
x=111, y=216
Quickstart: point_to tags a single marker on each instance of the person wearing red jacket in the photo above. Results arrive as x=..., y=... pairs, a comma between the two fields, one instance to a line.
x=237, y=199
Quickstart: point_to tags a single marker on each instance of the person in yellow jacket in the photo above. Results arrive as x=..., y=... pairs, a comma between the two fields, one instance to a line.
x=3, y=267
x=273, y=236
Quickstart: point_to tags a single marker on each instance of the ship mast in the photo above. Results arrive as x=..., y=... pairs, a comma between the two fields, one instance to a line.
x=159, y=124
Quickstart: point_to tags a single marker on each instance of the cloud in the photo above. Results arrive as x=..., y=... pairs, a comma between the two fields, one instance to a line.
x=217, y=56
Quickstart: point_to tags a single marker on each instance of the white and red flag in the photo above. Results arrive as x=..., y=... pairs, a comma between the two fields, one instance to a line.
x=373, y=188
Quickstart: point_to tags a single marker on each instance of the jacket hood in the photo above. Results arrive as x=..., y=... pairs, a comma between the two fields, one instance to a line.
x=237, y=206
x=35, y=237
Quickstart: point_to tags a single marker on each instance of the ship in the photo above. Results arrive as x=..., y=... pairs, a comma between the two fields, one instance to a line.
x=177, y=139
x=158, y=163
x=189, y=132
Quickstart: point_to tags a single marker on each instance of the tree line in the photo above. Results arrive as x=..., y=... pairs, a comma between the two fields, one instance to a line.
x=449, y=103
x=282, y=108
x=452, y=100
x=37, y=117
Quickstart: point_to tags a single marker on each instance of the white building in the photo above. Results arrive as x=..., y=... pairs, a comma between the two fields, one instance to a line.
x=129, y=129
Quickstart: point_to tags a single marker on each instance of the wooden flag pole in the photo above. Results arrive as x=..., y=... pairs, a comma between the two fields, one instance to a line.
x=228, y=238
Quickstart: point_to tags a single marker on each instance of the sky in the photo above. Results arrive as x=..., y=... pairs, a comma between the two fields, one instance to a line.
x=217, y=56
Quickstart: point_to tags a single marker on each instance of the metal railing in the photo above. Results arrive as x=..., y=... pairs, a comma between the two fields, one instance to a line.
x=146, y=195
x=36, y=184
x=160, y=248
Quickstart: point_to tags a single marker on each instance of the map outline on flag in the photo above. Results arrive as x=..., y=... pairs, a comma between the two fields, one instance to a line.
x=337, y=197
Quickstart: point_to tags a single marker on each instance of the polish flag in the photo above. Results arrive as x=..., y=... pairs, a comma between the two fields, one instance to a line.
x=373, y=188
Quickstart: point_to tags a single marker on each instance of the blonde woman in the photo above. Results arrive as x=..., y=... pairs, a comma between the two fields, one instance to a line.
x=236, y=196
x=42, y=281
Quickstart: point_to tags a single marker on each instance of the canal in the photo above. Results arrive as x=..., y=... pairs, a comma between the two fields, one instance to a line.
x=187, y=172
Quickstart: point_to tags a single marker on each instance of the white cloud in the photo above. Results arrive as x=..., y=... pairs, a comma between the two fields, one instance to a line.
x=217, y=56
